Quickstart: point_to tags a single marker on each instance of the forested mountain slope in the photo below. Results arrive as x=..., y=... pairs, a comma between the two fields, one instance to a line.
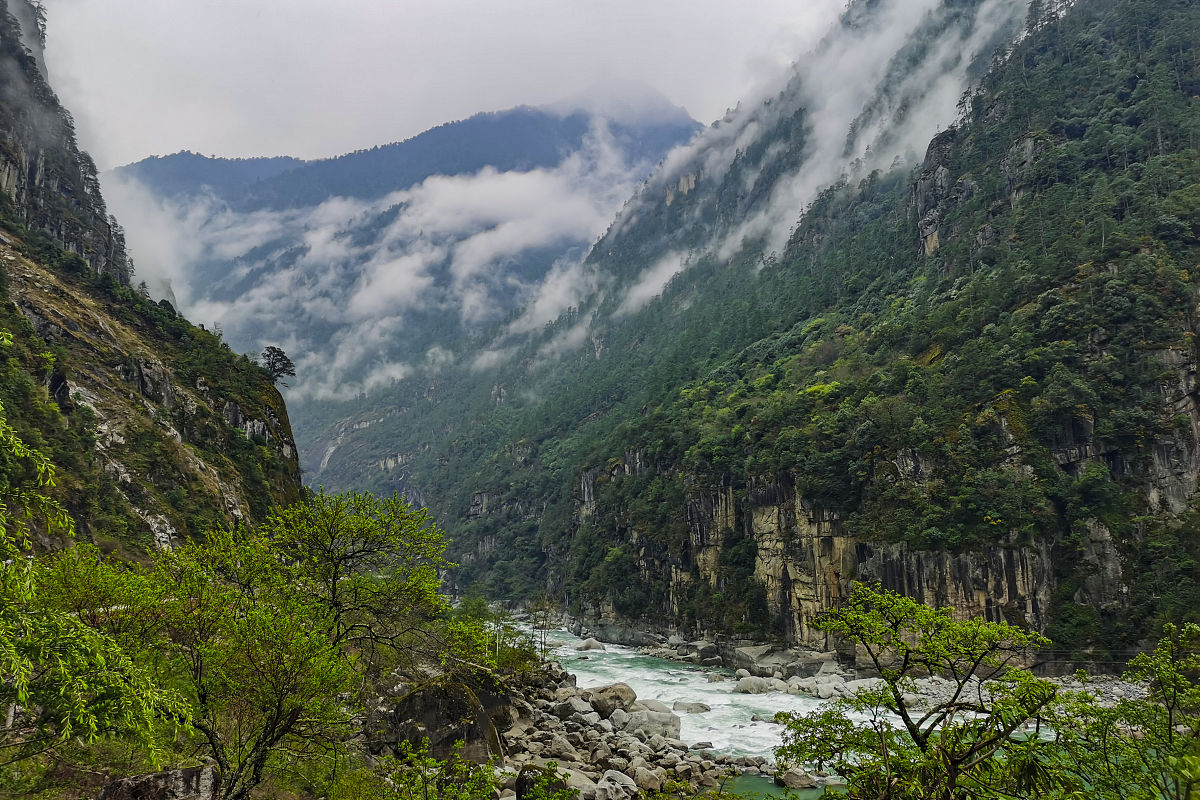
x=158, y=430
x=972, y=381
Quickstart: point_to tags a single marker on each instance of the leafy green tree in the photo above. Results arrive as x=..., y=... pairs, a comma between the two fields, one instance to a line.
x=370, y=568
x=276, y=363
x=1137, y=748
x=969, y=744
x=59, y=678
x=271, y=632
x=254, y=656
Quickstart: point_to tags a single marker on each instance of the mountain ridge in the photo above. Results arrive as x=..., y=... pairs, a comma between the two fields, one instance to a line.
x=679, y=444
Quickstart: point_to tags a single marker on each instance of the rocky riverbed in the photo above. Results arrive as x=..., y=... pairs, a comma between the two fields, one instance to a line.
x=612, y=745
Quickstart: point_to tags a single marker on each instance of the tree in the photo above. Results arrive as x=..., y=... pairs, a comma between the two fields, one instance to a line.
x=369, y=565
x=276, y=363
x=59, y=678
x=271, y=632
x=255, y=656
x=1138, y=748
x=969, y=744
x=222, y=621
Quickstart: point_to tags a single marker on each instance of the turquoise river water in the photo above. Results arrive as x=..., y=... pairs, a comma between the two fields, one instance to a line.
x=729, y=726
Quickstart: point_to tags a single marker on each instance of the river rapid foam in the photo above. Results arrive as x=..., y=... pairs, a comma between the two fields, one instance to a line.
x=730, y=726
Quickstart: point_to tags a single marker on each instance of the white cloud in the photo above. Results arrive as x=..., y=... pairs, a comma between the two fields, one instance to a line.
x=651, y=283
x=564, y=287
x=313, y=78
x=344, y=289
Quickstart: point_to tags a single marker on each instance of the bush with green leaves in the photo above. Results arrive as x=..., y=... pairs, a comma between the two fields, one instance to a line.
x=1137, y=748
x=60, y=680
x=971, y=743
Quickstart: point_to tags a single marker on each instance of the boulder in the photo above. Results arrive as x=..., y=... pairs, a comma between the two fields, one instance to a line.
x=590, y=644
x=795, y=779
x=647, y=780
x=445, y=712
x=645, y=724
x=748, y=658
x=570, y=706
x=655, y=705
x=691, y=708
x=756, y=685
x=193, y=783
x=607, y=699
x=854, y=687
x=615, y=785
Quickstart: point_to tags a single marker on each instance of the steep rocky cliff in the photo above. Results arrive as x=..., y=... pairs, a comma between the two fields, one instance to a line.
x=46, y=182
x=158, y=430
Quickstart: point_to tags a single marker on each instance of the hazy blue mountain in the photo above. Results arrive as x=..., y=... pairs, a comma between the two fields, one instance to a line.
x=372, y=264
x=186, y=173
x=519, y=139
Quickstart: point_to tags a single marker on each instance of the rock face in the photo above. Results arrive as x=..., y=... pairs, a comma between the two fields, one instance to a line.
x=193, y=783
x=806, y=562
x=52, y=186
x=183, y=432
x=444, y=712
x=161, y=430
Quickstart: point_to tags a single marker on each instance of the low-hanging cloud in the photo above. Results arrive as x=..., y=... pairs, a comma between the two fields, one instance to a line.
x=863, y=105
x=340, y=284
x=650, y=283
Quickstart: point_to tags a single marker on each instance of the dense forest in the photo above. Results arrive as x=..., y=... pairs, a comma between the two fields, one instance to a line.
x=991, y=348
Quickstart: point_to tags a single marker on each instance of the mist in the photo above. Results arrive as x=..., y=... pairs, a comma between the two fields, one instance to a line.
x=361, y=293
x=873, y=92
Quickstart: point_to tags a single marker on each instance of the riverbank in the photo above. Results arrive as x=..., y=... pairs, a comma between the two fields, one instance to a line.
x=615, y=720
x=764, y=668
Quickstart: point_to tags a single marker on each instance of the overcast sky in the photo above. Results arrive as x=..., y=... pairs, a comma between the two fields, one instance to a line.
x=314, y=79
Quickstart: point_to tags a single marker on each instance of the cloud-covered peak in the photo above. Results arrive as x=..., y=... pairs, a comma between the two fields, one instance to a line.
x=623, y=101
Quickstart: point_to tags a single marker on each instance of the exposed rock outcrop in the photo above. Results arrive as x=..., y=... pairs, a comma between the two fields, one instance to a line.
x=192, y=783
x=47, y=182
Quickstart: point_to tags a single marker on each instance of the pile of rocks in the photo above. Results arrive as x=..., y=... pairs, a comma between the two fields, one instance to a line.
x=608, y=744
x=758, y=660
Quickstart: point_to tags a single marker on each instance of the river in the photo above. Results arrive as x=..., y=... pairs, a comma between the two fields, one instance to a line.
x=730, y=725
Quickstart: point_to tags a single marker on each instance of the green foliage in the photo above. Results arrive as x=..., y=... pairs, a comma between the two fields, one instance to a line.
x=59, y=679
x=478, y=634
x=416, y=775
x=271, y=633
x=969, y=745
x=370, y=564
x=1002, y=732
x=1137, y=748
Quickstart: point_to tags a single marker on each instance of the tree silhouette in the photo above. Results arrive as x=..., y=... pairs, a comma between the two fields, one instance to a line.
x=276, y=363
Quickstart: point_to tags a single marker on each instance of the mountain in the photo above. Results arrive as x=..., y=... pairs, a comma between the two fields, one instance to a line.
x=48, y=184
x=188, y=174
x=372, y=264
x=924, y=317
x=157, y=429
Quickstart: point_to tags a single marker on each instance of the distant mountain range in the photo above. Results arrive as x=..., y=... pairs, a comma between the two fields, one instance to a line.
x=517, y=140
x=371, y=263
